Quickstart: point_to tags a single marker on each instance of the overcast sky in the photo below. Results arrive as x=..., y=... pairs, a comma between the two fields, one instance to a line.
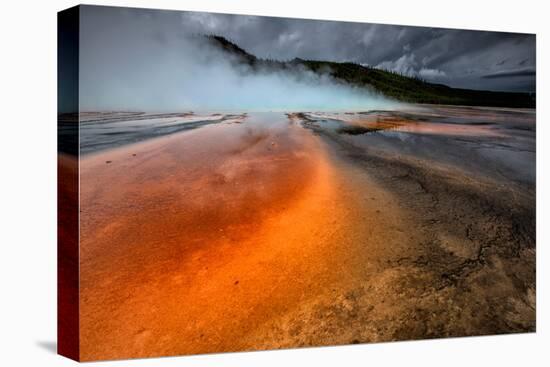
x=459, y=58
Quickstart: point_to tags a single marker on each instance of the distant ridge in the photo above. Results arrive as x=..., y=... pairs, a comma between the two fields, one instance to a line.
x=391, y=84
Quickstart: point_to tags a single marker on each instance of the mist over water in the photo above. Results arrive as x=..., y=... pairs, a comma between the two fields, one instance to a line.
x=137, y=65
x=222, y=85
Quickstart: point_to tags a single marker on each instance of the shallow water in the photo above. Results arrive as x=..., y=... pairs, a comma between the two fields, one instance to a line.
x=210, y=233
x=498, y=143
x=99, y=131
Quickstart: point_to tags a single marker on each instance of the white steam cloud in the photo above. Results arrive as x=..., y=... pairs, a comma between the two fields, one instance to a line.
x=136, y=65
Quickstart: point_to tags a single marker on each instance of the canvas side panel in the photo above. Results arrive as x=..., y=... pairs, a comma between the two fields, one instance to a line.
x=67, y=184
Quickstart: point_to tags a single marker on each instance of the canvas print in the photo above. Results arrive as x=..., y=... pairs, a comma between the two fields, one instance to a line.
x=238, y=183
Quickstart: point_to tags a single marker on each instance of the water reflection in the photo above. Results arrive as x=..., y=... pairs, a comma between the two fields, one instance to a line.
x=492, y=142
x=105, y=130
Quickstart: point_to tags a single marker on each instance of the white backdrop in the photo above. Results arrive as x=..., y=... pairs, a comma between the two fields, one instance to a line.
x=28, y=182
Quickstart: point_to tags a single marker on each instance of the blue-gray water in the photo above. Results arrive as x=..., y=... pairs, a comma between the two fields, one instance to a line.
x=499, y=143
x=99, y=131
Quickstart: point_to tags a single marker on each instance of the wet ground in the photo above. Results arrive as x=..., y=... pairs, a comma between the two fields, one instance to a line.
x=499, y=143
x=106, y=130
x=272, y=230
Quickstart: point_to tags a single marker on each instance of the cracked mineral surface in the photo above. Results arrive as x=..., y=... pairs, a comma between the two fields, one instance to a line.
x=308, y=229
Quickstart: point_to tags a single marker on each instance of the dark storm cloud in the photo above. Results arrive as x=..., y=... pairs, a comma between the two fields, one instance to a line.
x=459, y=58
x=511, y=73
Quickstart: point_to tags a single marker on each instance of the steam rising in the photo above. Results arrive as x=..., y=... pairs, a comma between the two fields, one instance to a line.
x=138, y=65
